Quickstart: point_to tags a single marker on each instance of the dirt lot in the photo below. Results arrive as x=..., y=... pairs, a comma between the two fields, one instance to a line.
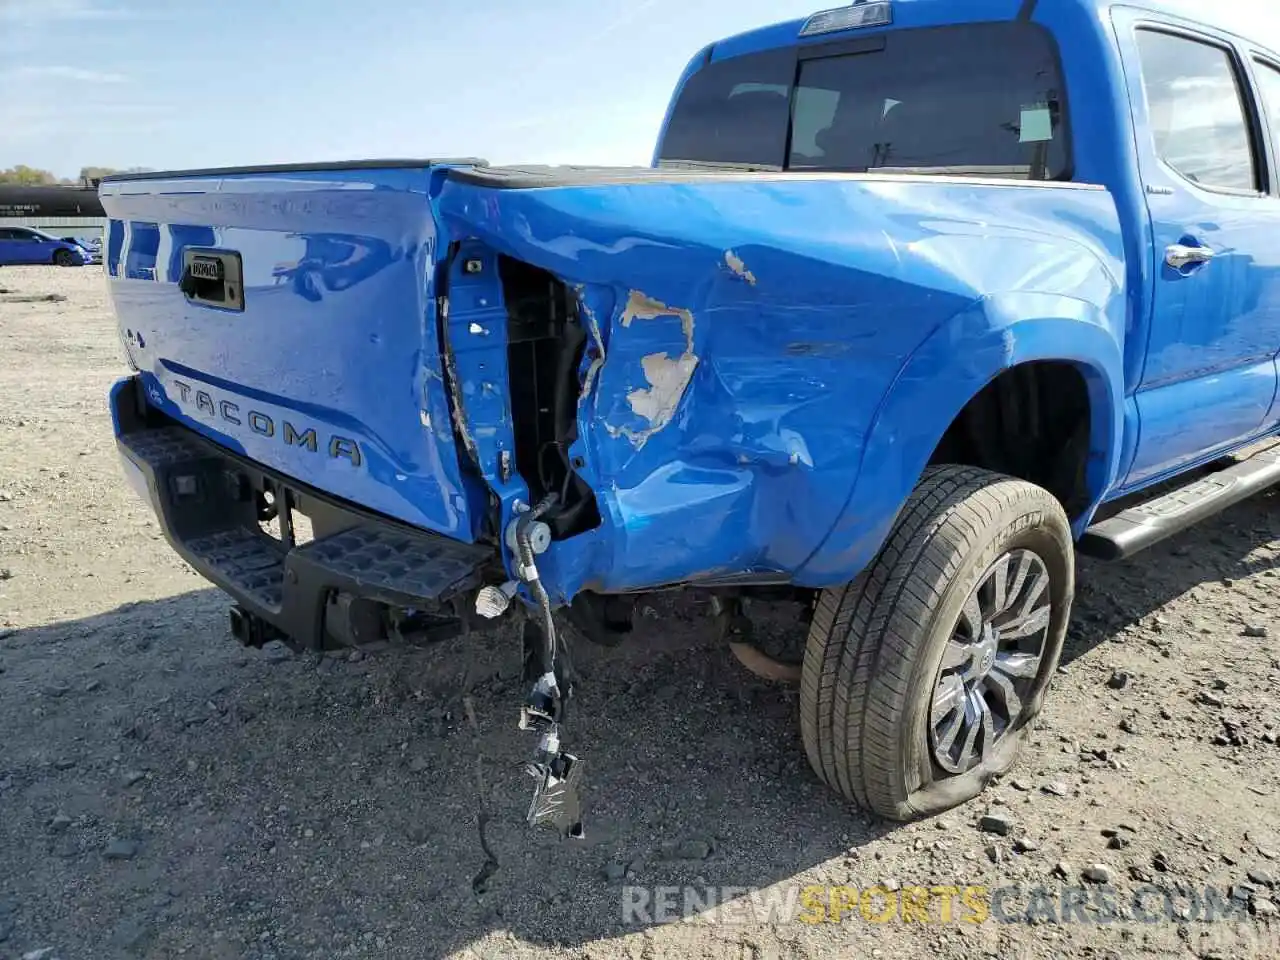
x=164, y=792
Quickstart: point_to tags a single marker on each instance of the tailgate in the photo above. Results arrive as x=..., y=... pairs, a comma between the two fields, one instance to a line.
x=288, y=315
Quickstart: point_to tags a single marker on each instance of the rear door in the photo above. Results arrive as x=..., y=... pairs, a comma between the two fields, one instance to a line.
x=1209, y=379
x=1266, y=75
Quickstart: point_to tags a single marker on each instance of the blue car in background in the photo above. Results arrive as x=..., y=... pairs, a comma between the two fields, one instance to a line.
x=25, y=245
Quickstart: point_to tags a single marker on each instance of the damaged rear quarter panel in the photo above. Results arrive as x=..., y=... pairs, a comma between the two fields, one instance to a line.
x=749, y=330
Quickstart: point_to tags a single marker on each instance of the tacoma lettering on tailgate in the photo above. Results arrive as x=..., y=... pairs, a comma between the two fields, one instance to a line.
x=231, y=413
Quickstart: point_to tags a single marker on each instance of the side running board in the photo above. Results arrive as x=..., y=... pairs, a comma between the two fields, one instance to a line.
x=1149, y=522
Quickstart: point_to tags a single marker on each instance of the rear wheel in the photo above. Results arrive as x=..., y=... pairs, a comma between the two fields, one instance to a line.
x=921, y=677
x=64, y=258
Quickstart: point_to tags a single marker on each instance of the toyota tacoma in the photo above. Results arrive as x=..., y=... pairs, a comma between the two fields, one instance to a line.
x=917, y=300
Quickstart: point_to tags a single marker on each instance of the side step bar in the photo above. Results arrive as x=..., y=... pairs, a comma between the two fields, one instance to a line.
x=1140, y=526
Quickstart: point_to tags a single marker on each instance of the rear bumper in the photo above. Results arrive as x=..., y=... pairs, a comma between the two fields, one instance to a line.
x=207, y=501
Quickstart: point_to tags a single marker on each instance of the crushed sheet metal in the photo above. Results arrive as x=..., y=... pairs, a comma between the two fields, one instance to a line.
x=668, y=378
x=597, y=341
x=738, y=268
x=459, y=412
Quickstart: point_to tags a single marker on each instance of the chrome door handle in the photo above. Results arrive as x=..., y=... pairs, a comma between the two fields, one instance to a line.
x=1180, y=256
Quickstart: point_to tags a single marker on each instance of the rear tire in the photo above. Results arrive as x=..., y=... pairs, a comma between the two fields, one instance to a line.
x=63, y=258
x=912, y=653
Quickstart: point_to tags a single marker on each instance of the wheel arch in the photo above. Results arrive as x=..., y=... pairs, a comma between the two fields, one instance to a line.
x=954, y=365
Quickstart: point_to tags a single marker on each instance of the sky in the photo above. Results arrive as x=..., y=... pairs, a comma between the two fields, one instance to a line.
x=169, y=84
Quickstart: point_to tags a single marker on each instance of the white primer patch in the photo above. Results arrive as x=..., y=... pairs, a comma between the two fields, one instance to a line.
x=738, y=268
x=667, y=382
x=668, y=378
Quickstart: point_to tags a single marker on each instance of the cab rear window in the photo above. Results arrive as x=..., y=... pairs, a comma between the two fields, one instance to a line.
x=734, y=112
x=978, y=99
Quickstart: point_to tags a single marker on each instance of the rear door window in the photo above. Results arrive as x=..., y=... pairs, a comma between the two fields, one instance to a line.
x=1196, y=111
x=980, y=99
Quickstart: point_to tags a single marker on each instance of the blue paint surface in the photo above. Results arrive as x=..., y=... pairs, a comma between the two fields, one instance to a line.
x=338, y=333
x=1208, y=381
x=802, y=330
x=773, y=358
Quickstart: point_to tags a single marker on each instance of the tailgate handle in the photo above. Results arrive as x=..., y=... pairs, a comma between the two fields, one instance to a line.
x=213, y=278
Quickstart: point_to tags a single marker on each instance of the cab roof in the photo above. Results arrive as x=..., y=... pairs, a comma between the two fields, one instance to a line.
x=1257, y=24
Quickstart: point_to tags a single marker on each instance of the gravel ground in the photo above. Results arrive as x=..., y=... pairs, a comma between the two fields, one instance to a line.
x=164, y=792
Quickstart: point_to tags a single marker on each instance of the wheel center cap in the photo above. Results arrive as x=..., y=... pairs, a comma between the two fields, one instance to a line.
x=984, y=656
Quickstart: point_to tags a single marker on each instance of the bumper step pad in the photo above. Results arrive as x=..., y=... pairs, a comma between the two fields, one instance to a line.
x=203, y=498
x=395, y=563
x=251, y=563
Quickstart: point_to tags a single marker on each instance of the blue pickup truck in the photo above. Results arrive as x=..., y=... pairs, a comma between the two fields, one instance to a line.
x=917, y=300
